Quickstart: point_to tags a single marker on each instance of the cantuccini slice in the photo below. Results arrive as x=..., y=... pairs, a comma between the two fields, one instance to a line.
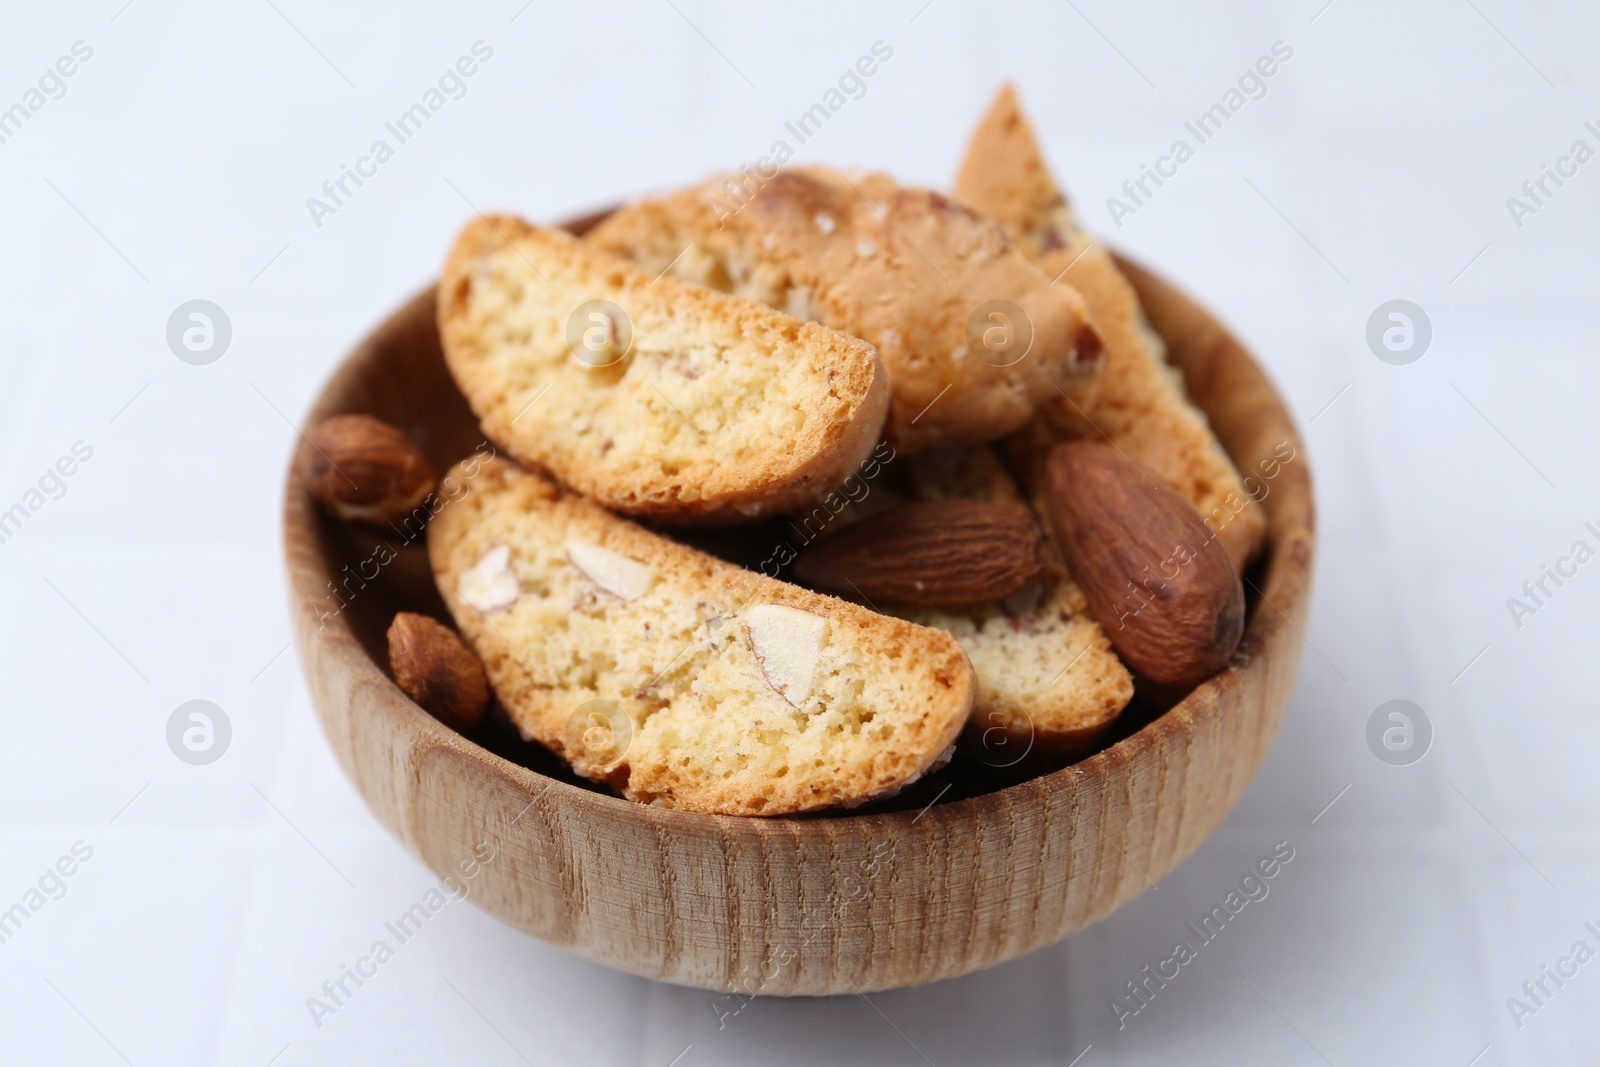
x=675, y=677
x=649, y=395
x=975, y=337
x=1140, y=404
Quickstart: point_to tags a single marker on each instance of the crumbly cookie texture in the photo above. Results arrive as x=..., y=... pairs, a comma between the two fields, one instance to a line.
x=688, y=406
x=681, y=680
x=1049, y=683
x=1140, y=404
x=905, y=268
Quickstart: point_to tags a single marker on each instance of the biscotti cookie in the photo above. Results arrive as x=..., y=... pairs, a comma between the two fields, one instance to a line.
x=652, y=396
x=680, y=679
x=1049, y=683
x=1139, y=405
x=975, y=337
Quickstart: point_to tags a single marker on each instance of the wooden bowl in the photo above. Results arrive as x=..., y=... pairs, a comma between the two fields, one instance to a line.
x=795, y=906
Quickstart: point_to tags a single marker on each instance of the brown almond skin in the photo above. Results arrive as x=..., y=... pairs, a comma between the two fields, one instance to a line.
x=433, y=668
x=929, y=554
x=1161, y=587
x=361, y=469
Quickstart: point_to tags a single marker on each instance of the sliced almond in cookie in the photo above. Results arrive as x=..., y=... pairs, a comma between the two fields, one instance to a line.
x=488, y=585
x=618, y=575
x=681, y=679
x=649, y=395
x=787, y=642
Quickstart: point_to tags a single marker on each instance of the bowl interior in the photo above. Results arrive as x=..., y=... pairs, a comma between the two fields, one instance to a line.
x=398, y=375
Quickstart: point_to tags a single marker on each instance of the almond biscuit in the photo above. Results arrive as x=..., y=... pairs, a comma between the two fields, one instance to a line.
x=679, y=679
x=975, y=337
x=652, y=396
x=1139, y=405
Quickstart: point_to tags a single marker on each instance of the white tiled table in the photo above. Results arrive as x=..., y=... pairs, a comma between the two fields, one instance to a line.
x=218, y=898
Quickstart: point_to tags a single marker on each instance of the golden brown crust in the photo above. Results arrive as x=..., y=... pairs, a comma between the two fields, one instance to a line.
x=672, y=653
x=721, y=409
x=1139, y=405
x=904, y=268
x=1004, y=174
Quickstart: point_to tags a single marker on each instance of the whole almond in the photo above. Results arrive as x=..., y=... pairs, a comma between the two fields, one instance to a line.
x=433, y=668
x=1157, y=581
x=929, y=554
x=363, y=470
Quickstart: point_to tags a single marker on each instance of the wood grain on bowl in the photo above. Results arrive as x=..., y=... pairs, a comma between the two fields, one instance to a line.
x=789, y=905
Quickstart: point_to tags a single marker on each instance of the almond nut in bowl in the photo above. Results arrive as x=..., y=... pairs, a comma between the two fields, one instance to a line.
x=364, y=470
x=1161, y=586
x=929, y=554
x=973, y=876
x=433, y=667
